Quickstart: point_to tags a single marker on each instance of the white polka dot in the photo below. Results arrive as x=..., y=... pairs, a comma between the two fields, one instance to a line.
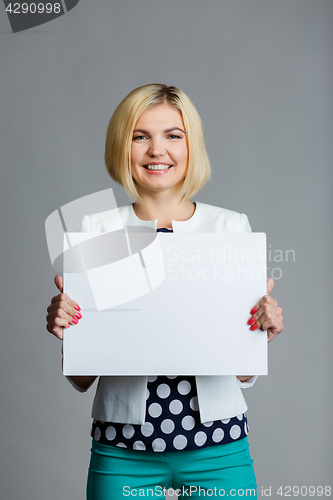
x=97, y=434
x=121, y=445
x=152, y=378
x=139, y=445
x=155, y=410
x=194, y=403
x=167, y=426
x=180, y=442
x=225, y=420
x=147, y=429
x=147, y=394
x=102, y=422
x=128, y=431
x=208, y=424
x=176, y=406
x=188, y=422
x=218, y=435
x=163, y=391
x=110, y=433
x=235, y=432
x=172, y=376
x=158, y=444
x=200, y=438
x=240, y=417
x=246, y=430
x=184, y=387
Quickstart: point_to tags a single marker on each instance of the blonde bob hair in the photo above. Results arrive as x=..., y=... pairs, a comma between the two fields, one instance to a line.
x=120, y=135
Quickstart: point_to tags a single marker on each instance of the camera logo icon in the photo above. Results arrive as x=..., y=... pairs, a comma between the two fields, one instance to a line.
x=112, y=267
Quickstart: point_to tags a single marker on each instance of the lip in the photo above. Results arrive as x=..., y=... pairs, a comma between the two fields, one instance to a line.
x=157, y=163
x=157, y=172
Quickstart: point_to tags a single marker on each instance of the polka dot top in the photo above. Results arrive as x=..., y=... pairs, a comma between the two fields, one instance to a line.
x=172, y=420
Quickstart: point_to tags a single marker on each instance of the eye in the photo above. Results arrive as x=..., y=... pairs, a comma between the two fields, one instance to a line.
x=174, y=136
x=139, y=138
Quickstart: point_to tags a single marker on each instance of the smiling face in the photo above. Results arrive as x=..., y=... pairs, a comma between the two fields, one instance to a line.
x=159, y=152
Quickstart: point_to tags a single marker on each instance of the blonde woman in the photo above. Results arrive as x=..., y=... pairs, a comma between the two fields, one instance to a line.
x=189, y=433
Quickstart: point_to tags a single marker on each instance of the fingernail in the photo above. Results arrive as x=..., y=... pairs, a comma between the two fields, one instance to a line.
x=75, y=321
x=78, y=308
x=68, y=325
x=78, y=315
x=251, y=321
x=253, y=327
x=254, y=310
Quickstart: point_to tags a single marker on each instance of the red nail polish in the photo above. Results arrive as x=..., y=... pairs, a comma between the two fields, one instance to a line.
x=78, y=308
x=251, y=321
x=75, y=321
x=253, y=327
x=78, y=315
x=254, y=310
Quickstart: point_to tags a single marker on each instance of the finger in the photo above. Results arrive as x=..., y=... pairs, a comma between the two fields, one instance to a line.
x=270, y=285
x=265, y=312
x=56, y=327
x=64, y=298
x=62, y=306
x=273, y=326
x=59, y=282
x=266, y=299
x=272, y=333
x=62, y=311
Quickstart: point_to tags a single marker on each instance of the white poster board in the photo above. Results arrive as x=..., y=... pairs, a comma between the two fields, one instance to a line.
x=179, y=306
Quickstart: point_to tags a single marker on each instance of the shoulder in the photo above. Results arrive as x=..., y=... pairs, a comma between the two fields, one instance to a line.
x=222, y=219
x=109, y=220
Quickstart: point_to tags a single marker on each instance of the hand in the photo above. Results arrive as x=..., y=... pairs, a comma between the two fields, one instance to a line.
x=62, y=311
x=267, y=315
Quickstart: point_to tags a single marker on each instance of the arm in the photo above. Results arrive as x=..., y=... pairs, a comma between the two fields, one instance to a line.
x=81, y=384
x=244, y=378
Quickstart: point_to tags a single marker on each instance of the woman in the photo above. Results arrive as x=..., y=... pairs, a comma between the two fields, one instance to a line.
x=155, y=148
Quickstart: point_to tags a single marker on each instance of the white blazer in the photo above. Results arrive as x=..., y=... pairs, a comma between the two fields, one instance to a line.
x=123, y=398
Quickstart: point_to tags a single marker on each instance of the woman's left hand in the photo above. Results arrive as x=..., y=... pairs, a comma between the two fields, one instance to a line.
x=267, y=315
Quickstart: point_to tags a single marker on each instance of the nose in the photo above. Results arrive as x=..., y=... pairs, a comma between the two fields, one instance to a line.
x=156, y=148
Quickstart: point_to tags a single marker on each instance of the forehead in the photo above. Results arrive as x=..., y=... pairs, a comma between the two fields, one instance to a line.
x=161, y=115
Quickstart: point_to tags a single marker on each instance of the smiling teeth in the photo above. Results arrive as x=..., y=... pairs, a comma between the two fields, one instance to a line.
x=158, y=167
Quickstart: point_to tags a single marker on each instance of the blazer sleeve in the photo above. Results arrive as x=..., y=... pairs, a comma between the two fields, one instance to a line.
x=244, y=225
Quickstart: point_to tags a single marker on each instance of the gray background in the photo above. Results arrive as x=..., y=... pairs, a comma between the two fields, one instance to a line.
x=260, y=74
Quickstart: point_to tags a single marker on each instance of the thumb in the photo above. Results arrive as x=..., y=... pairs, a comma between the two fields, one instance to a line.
x=59, y=282
x=270, y=285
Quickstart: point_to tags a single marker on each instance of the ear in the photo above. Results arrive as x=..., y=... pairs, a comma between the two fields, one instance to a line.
x=270, y=285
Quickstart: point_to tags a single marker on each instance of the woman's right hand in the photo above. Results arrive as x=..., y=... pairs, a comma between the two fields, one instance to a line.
x=62, y=311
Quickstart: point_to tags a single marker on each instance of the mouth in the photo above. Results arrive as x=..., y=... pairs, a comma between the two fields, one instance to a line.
x=158, y=166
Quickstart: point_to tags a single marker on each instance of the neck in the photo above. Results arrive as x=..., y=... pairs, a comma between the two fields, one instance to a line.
x=163, y=208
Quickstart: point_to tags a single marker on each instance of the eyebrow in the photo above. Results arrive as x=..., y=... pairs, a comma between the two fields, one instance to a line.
x=166, y=131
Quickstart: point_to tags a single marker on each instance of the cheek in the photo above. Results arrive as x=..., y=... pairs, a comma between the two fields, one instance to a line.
x=181, y=154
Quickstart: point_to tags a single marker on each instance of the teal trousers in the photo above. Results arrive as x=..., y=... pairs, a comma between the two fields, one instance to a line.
x=213, y=472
